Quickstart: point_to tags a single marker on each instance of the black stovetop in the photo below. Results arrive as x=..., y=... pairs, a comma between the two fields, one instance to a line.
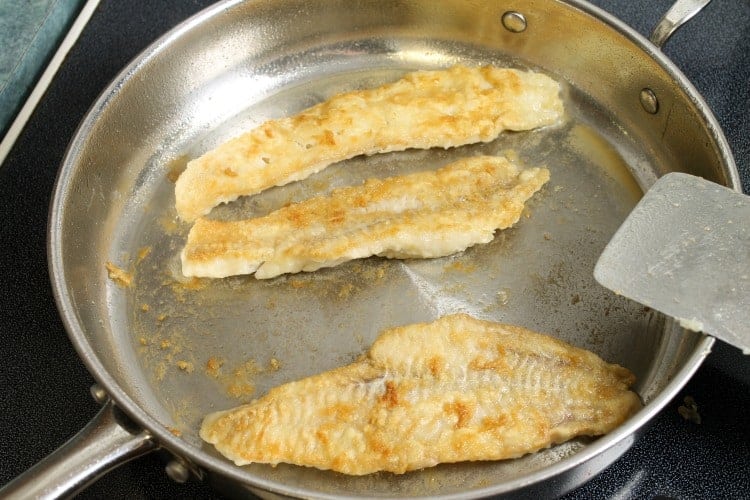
x=45, y=386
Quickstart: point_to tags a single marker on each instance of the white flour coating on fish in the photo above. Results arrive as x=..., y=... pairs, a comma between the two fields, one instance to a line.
x=424, y=109
x=420, y=215
x=456, y=389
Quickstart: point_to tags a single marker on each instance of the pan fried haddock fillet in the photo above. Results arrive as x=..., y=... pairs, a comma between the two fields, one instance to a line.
x=420, y=215
x=457, y=389
x=424, y=109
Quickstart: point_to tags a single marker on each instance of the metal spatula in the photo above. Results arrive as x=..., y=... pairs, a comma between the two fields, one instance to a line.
x=685, y=251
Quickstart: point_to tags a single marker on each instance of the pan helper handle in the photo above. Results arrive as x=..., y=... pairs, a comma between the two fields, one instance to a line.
x=680, y=13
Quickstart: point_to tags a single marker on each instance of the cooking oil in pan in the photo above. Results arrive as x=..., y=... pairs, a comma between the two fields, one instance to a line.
x=599, y=151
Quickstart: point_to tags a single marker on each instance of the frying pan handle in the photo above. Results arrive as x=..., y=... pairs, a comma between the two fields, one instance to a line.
x=680, y=13
x=107, y=441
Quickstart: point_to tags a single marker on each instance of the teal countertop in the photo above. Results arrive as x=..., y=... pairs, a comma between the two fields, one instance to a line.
x=30, y=31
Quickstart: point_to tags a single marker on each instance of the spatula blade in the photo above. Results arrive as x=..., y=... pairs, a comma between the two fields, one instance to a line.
x=685, y=251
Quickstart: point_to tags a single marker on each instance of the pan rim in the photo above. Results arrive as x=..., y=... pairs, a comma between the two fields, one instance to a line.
x=198, y=456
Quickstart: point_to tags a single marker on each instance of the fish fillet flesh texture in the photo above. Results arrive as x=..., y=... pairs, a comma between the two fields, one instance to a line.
x=419, y=215
x=457, y=389
x=425, y=109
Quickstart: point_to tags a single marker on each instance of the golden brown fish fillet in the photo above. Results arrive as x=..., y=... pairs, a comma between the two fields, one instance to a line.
x=457, y=389
x=425, y=214
x=424, y=109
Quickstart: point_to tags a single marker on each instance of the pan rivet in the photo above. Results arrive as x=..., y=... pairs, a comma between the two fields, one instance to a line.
x=99, y=394
x=514, y=21
x=177, y=471
x=649, y=101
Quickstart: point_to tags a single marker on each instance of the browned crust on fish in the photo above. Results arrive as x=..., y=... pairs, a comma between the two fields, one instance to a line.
x=424, y=109
x=420, y=215
x=456, y=389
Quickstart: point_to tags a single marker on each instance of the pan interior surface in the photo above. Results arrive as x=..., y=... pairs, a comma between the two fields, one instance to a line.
x=180, y=348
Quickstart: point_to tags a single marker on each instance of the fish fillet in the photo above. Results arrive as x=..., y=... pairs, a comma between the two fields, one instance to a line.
x=457, y=389
x=425, y=214
x=425, y=109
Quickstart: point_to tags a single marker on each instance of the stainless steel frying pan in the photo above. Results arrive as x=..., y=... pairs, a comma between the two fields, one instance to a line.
x=166, y=350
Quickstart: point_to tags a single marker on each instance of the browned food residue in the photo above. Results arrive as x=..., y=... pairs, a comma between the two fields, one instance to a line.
x=370, y=274
x=460, y=267
x=345, y=290
x=181, y=289
x=191, y=284
x=239, y=383
x=119, y=276
x=169, y=224
x=297, y=283
x=240, y=388
x=142, y=254
x=185, y=366
x=160, y=372
x=213, y=367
